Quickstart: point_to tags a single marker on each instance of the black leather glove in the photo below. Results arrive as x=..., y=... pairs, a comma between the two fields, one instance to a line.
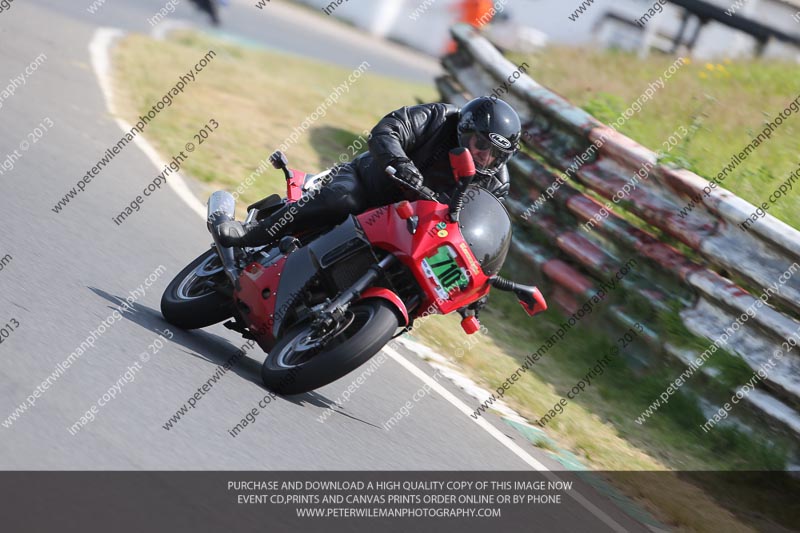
x=408, y=172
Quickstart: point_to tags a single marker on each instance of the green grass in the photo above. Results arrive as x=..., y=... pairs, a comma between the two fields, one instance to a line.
x=730, y=101
x=599, y=425
x=259, y=97
x=620, y=394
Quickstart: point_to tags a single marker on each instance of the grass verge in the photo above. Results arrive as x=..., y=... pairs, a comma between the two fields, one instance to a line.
x=259, y=98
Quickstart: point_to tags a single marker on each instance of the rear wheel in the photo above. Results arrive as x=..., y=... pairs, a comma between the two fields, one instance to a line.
x=304, y=360
x=191, y=301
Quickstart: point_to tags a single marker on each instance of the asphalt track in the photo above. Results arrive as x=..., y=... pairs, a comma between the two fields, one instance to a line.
x=70, y=271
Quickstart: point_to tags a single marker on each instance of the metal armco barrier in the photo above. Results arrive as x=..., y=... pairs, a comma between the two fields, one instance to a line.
x=571, y=260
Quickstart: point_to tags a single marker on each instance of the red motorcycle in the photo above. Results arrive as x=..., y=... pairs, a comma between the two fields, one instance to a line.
x=324, y=302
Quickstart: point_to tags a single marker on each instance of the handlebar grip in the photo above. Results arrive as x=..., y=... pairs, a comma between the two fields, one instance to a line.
x=422, y=190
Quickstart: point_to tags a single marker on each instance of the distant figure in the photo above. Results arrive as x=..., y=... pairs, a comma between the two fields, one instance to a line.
x=475, y=12
x=210, y=7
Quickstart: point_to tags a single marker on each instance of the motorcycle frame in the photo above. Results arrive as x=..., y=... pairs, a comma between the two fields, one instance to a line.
x=384, y=228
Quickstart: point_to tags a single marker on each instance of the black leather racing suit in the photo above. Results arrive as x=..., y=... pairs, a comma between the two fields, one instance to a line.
x=423, y=134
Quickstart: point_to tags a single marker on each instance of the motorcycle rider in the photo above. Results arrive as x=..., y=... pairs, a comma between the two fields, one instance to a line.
x=415, y=141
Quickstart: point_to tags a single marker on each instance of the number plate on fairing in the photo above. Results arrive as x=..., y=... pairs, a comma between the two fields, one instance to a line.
x=443, y=269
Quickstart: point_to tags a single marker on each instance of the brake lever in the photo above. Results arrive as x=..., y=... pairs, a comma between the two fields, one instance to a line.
x=427, y=194
x=423, y=191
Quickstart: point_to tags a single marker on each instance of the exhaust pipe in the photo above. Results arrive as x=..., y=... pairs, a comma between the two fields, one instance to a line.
x=222, y=208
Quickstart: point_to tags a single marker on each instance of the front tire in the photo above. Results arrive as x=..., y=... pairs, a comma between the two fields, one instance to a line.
x=291, y=369
x=190, y=300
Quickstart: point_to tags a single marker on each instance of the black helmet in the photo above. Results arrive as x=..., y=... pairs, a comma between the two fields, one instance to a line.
x=490, y=129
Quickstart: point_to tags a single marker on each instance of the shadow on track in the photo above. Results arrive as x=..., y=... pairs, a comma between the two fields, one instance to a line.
x=215, y=350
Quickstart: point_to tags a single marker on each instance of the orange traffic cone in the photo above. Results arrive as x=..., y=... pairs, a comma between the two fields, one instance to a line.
x=475, y=12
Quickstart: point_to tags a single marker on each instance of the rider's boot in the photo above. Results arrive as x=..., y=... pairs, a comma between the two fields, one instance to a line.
x=330, y=207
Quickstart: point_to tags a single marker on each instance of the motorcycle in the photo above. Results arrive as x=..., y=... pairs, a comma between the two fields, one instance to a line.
x=323, y=302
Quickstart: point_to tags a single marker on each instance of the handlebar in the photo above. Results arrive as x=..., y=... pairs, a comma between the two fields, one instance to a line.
x=463, y=173
x=423, y=191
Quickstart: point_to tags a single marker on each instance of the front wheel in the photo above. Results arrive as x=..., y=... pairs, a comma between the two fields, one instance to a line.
x=302, y=361
x=191, y=300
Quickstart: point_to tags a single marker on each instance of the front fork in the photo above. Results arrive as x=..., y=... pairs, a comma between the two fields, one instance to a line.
x=333, y=312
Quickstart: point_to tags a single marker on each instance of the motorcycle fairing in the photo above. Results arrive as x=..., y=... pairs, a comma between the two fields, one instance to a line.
x=287, y=278
x=256, y=298
x=387, y=229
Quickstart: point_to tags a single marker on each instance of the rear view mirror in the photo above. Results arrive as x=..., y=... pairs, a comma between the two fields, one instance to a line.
x=462, y=163
x=531, y=299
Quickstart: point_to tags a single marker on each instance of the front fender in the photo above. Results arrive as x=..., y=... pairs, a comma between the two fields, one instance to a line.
x=389, y=296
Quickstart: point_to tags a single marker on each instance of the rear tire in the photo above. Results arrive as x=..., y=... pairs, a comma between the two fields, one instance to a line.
x=374, y=323
x=190, y=301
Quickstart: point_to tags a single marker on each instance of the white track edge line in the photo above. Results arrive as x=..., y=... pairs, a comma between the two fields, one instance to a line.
x=100, y=54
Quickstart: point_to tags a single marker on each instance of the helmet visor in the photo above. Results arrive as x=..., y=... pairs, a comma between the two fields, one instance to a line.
x=489, y=157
